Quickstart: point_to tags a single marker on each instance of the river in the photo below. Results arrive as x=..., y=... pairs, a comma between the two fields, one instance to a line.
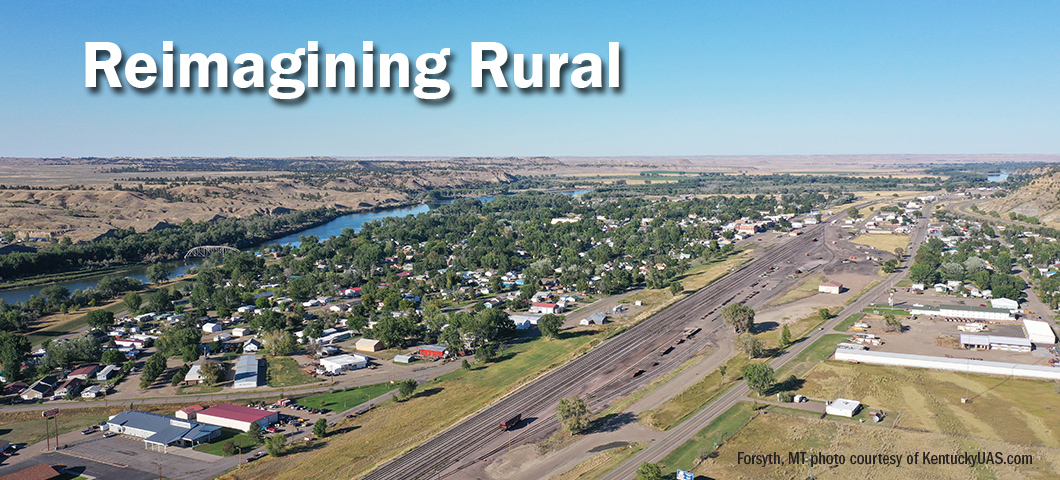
x=179, y=267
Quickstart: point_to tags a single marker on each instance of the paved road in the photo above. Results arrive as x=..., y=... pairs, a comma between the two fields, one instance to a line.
x=684, y=432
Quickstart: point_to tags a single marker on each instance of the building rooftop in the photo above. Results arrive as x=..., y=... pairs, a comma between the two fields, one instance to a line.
x=845, y=404
x=236, y=412
x=967, y=339
x=166, y=429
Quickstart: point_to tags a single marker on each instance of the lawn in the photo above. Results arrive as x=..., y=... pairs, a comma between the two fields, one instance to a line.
x=702, y=444
x=28, y=427
x=883, y=243
x=806, y=287
x=812, y=355
x=240, y=438
x=284, y=372
x=58, y=324
x=343, y=399
x=440, y=403
x=197, y=389
x=848, y=322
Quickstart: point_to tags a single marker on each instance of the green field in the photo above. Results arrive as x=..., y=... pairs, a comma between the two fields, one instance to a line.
x=812, y=355
x=341, y=400
x=284, y=372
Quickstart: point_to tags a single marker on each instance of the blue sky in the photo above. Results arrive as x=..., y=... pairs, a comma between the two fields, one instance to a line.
x=699, y=78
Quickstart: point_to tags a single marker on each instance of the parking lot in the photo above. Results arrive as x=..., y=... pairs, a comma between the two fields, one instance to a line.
x=126, y=458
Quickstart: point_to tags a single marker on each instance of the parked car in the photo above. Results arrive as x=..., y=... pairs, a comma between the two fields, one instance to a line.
x=109, y=434
x=88, y=431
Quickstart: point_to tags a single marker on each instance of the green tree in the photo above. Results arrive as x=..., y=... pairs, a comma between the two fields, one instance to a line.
x=750, y=345
x=760, y=377
x=573, y=414
x=549, y=325
x=255, y=435
x=211, y=373
x=275, y=445
x=739, y=316
x=100, y=319
x=132, y=301
x=650, y=471
x=320, y=428
x=676, y=288
x=923, y=273
x=13, y=350
x=406, y=388
x=824, y=313
x=112, y=357
x=158, y=273
x=465, y=365
x=229, y=447
x=785, y=337
x=892, y=322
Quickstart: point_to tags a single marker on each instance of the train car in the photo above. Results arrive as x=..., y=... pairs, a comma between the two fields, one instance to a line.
x=512, y=422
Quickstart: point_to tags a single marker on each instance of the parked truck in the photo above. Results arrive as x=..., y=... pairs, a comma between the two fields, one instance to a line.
x=511, y=422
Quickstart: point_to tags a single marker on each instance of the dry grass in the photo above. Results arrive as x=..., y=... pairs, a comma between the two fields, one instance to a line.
x=781, y=432
x=601, y=463
x=807, y=287
x=883, y=243
x=1003, y=409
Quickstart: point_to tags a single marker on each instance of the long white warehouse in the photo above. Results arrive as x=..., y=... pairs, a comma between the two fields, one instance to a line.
x=943, y=363
x=964, y=311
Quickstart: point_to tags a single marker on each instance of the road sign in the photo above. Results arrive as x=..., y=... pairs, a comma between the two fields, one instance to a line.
x=683, y=475
x=50, y=413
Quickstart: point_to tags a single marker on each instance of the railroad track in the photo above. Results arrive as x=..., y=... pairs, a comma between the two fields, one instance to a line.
x=437, y=455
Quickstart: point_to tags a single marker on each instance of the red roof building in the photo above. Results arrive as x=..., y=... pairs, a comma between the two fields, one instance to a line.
x=84, y=371
x=189, y=413
x=237, y=417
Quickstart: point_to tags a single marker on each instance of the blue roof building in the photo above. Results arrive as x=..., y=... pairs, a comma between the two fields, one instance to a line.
x=161, y=431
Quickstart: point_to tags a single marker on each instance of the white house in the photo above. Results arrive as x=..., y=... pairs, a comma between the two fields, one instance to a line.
x=211, y=328
x=842, y=407
x=241, y=332
x=545, y=308
x=251, y=346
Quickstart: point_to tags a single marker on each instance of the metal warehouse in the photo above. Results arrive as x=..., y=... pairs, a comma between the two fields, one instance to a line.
x=995, y=342
x=341, y=363
x=964, y=311
x=239, y=418
x=246, y=372
x=953, y=364
x=1039, y=332
x=161, y=431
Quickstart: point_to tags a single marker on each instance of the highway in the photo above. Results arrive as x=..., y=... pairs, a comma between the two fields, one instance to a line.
x=605, y=366
x=682, y=433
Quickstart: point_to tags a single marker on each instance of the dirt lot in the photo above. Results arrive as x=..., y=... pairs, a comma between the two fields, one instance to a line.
x=919, y=335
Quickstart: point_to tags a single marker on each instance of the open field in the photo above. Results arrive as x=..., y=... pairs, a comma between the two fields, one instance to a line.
x=807, y=287
x=437, y=405
x=602, y=463
x=782, y=431
x=1002, y=409
x=284, y=372
x=883, y=243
